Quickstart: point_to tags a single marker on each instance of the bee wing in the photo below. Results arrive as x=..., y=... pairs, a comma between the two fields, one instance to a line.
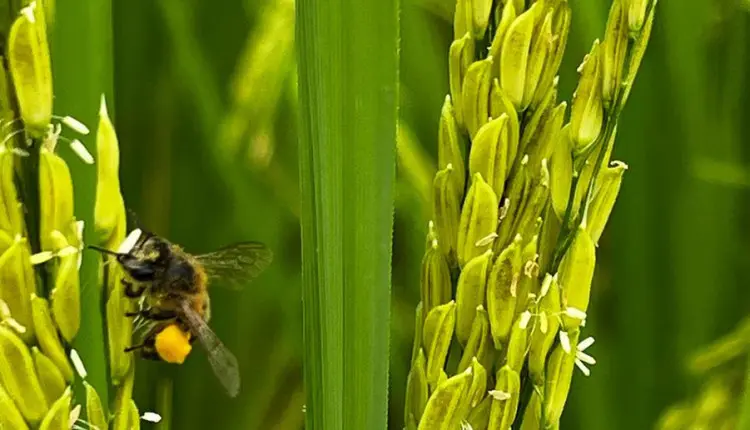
x=236, y=265
x=223, y=362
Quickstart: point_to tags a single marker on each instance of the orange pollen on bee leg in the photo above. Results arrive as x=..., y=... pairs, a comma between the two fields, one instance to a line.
x=173, y=344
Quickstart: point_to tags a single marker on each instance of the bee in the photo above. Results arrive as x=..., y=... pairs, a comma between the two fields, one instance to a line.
x=171, y=288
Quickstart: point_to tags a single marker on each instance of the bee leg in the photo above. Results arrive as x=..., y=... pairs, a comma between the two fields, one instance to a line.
x=132, y=291
x=160, y=315
x=146, y=351
x=153, y=315
x=135, y=347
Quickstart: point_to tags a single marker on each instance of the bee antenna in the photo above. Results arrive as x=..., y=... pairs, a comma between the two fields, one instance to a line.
x=102, y=250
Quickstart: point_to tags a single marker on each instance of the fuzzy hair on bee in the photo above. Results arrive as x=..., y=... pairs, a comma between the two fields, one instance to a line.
x=171, y=287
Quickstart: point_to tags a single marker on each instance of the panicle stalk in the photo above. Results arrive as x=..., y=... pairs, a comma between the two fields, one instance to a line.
x=41, y=245
x=509, y=265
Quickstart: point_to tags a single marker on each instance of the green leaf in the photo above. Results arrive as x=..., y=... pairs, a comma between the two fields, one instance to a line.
x=348, y=87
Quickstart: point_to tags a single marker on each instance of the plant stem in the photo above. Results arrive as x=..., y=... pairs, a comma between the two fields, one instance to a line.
x=164, y=395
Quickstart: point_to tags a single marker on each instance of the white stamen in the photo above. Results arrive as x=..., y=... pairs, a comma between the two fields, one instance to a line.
x=618, y=163
x=525, y=318
x=151, y=417
x=565, y=341
x=514, y=285
x=545, y=286
x=41, y=257
x=531, y=268
x=20, y=152
x=4, y=309
x=585, y=370
x=586, y=343
x=52, y=137
x=6, y=317
x=575, y=313
x=504, y=209
x=79, y=229
x=81, y=151
x=129, y=242
x=466, y=426
x=79, y=232
x=68, y=250
x=74, y=414
x=15, y=325
x=75, y=125
x=543, y=322
x=580, y=355
x=486, y=240
x=28, y=11
x=499, y=395
x=103, y=106
x=78, y=364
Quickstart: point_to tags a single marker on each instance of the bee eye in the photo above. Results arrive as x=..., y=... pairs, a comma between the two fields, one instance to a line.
x=142, y=273
x=137, y=269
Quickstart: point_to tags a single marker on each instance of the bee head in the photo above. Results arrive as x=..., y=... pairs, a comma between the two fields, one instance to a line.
x=146, y=260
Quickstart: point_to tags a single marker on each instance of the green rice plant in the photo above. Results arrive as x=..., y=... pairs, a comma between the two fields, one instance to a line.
x=348, y=89
x=721, y=399
x=41, y=252
x=520, y=200
x=43, y=381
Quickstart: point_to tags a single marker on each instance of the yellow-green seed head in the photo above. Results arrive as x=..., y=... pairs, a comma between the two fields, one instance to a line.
x=29, y=63
x=470, y=293
x=49, y=341
x=478, y=222
x=51, y=379
x=94, y=410
x=109, y=209
x=502, y=286
x=417, y=389
x=58, y=416
x=438, y=332
x=505, y=398
x=489, y=151
x=17, y=280
x=614, y=47
x=435, y=280
x=460, y=58
x=19, y=378
x=587, y=109
x=576, y=274
x=475, y=93
x=608, y=187
x=444, y=403
x=558, y=377
x=447, y=210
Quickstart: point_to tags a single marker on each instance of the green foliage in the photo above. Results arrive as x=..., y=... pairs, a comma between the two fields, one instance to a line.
x=671, y=264
x=347, y=166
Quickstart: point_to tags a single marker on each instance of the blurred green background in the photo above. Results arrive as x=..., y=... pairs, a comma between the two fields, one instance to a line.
x=205, y=108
